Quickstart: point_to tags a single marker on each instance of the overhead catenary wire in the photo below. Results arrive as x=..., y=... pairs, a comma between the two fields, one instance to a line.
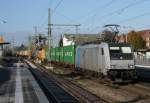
x=131, y=5
x=54, y=10
x=43, y=18
x=71, y=20
x=121, y=10
x=117, y=11
x=45, y=14
x=135, y=17
x=58, y=4
x=102, y=8
x=107, y=5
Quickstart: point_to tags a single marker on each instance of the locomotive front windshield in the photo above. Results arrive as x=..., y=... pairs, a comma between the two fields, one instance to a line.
x=120, y=53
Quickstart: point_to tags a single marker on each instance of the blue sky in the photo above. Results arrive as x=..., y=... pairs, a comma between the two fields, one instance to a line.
x=23, y=15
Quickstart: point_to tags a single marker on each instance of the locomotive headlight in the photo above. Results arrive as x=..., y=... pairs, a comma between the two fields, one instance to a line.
x=113, y=66
x=130, y=66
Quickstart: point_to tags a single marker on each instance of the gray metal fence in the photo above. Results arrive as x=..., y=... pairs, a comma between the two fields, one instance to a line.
x=142, y=60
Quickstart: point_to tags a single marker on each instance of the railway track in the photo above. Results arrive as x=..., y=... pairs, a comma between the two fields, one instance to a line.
x=140, y=89
x=53, y=91
x=82, y=95
x=145, y=85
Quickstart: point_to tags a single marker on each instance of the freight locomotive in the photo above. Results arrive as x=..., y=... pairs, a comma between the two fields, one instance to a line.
x=113, y=60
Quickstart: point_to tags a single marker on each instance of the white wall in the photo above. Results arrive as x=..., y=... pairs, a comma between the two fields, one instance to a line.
x=67, y=42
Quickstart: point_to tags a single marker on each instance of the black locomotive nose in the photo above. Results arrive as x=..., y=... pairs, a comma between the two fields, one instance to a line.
x=122, y=74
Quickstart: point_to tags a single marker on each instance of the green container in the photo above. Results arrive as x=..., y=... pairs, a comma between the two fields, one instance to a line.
x=57, y=54
x=47, y=56
x=50, y=56
x=64, y=54
x=69, y=54
x=61, y=56
x=53, y=55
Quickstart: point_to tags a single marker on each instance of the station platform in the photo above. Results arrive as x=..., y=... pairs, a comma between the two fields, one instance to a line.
x=17, y=85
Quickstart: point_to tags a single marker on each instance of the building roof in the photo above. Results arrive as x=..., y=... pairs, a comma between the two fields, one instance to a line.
x=4, y=43
x=144, y=32
x=148, y=30
x=82, y=38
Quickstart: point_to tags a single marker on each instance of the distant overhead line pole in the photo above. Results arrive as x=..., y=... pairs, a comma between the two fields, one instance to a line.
x=50, y=30
x=49, y=34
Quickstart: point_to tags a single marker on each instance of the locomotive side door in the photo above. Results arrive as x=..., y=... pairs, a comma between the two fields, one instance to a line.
x=106, y=59
x=102, y=60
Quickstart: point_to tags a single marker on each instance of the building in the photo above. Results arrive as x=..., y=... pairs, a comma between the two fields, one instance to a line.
x=22, y=50
x=1, y=39
x=145, y=34
x=2, y=43
x=122, y=38
x=71, y=39
x=76, y=39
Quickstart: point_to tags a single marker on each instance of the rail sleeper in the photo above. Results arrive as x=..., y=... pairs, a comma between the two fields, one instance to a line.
x=54, y=92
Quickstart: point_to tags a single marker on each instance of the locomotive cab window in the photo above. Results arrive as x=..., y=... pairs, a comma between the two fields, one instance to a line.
x=126, y=49
x=118, y=52
x=114, y=49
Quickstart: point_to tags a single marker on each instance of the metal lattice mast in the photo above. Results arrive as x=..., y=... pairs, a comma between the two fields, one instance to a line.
x=49, y=33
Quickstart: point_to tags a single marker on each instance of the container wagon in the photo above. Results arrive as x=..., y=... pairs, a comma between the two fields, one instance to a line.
x=63, y=55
